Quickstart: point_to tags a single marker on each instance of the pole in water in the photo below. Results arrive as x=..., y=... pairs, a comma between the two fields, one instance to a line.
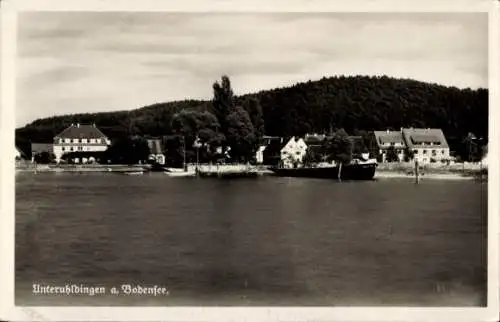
x=416, y=171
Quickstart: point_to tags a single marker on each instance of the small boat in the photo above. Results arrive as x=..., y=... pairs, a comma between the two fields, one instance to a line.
x=180, y=173
x=133, y=173
x=175, y=170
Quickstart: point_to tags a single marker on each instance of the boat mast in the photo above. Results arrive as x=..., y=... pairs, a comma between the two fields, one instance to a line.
x=184, y=165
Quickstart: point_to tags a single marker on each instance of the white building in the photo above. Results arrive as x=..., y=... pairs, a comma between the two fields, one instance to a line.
x=387, y=140
x=259, y=155
x=427, y=145
x=80, y=138
x=293, y=152
x=156, y=151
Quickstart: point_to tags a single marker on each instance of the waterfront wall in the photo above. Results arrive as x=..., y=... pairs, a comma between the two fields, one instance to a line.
x=431, y=167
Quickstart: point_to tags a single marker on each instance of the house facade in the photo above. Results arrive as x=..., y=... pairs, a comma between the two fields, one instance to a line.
x=293, y=152
x=426, y=145
x=156, y=154
x=390, y=140
x=79, y=138
x=259, y=155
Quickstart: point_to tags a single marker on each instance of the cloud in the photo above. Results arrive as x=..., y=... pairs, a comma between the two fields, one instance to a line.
x=78, y=62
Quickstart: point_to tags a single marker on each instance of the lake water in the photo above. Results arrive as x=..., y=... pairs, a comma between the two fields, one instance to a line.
x=267, y=241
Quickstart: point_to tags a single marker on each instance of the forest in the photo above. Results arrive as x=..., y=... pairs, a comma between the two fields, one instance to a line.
x=354, y=104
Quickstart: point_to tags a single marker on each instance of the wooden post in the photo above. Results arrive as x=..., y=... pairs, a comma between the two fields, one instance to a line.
x=340, y=171
x=416, y=171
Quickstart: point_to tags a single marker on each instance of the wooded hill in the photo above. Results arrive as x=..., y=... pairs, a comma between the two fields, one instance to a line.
x=356, y=104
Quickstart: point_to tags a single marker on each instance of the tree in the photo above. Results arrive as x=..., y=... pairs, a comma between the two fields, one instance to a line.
x=128, y=151
x=408, y=155
x=313, y=155
x=241, y=135
x=191, y=124
x=391, y=155
x=223, y=102
x=339, y=147
x=44, y=157
x=254, y=109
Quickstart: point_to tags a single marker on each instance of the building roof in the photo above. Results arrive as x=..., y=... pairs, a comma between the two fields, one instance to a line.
x=41, y=147
x=274, y=147
x=314, y=139
x=418, y=138
x=155, y=146
x=81, y=131
x=388, y=137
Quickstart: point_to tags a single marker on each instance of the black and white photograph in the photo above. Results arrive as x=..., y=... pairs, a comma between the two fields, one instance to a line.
x=251, y=159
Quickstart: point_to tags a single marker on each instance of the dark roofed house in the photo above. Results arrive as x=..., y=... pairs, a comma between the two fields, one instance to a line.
x=388, y=139
x=427, y=145
x=272, y=153
x=80, y=138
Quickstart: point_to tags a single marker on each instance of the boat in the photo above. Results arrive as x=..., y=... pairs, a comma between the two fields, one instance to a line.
x=228, y=174
x=181, y=174
x=355, y=170
x=230, y=171
x=132, y=173
x=157, y=168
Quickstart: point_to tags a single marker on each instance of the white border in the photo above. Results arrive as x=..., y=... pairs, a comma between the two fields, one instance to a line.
x=8, y=58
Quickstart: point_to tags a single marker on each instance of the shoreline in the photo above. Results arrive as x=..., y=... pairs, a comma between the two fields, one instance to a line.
x=384, y=174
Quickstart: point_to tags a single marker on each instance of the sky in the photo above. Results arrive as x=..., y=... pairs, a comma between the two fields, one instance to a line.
x=75, y=62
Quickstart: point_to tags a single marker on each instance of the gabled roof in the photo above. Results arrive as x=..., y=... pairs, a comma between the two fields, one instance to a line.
x=81, y=131
x=155, y=146
x=384, y=137
x=274, y=147
x=417, y=137
x=293, y=141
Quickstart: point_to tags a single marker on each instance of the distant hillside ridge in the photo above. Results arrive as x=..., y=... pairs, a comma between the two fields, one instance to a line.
x=354, y=103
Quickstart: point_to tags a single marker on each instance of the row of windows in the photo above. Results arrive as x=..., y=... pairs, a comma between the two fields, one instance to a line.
x=426, y=142
x=421, y=143
x=103, y=141
x=74, y=148
x=434, y=152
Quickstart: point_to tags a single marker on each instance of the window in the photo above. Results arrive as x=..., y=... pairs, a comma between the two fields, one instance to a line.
x=71, y=149
x=79, y=148
x=424, y=151
x=442, y=152
x=63, y=148
x=415, y=151
x=433, y=152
